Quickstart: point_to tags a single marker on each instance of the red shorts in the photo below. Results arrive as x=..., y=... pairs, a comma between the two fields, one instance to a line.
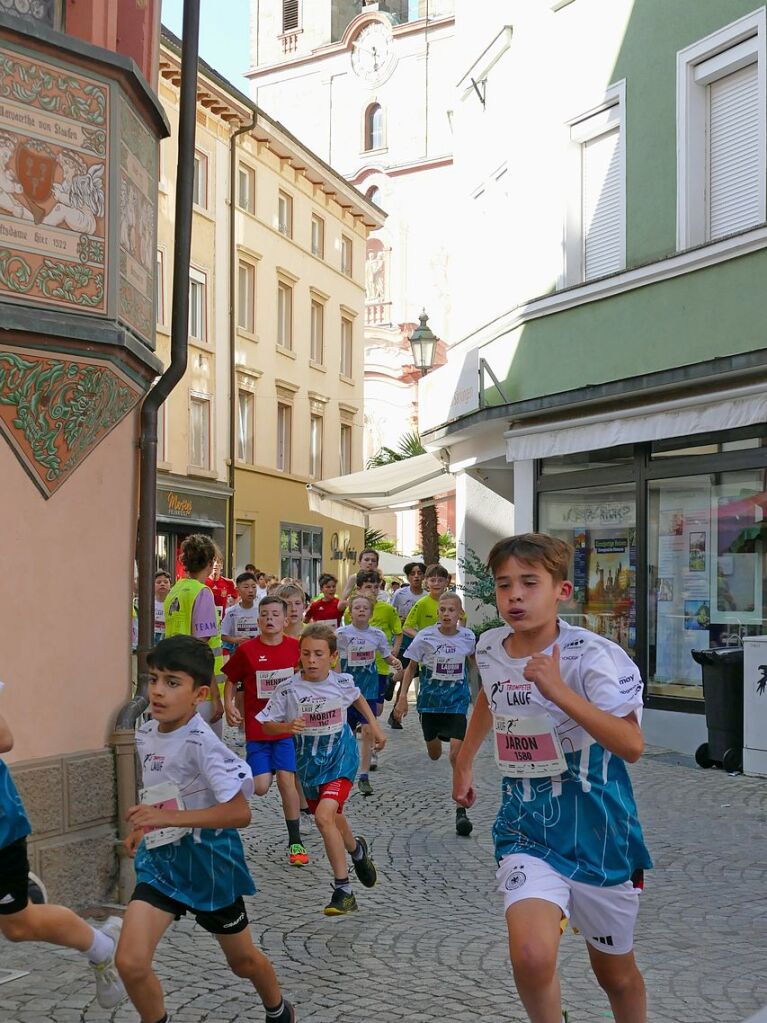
x=340, y=789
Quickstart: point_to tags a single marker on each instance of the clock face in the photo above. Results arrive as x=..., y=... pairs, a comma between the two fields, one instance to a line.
x=371, y=51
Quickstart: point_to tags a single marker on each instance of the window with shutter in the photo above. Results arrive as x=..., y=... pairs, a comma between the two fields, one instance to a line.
x=734, y=184
x=289, y=15
x=602, y=205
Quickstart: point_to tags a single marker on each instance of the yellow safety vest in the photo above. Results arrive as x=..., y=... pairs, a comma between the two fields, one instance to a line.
x=179, y=605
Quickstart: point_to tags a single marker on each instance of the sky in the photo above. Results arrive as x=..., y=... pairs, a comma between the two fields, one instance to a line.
x=223, y=40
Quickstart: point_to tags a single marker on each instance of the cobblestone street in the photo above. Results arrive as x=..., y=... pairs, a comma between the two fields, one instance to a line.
x=429, y=941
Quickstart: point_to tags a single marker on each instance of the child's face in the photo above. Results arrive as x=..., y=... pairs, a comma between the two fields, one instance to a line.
x=436, y=586
x=261, y=581
x=215, y=572
x=370, y=590
x=161, y=587
x=449, y=614
x=415, y=577
x=316, y=659
x=173, y=698
x=295, y=609
x=527, y=596
x=271, y=619
x=247, y=591
x=359, y=612
x=369, y=561
x=329, y=589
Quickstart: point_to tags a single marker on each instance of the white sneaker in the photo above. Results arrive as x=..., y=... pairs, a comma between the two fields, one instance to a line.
x=109, y=988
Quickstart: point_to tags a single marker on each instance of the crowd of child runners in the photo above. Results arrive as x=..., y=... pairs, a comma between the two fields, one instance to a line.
x=299, y=679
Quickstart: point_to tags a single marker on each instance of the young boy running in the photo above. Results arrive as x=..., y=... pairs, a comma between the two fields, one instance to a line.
x=564, y=705
x=241, y=620
x=22, y=920
x=402, y=601
x=325, y=608
x=443, y=652
x=161, y=591
x=425, y=611
x=189, y=857
x=295, y=601
x=358, y=646
x=313, y=704
x=259, y=666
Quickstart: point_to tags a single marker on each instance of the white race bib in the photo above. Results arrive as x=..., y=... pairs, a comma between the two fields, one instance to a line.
x=246, y=627
x=446, y=669
x=165, y=796
x=360, y=657
x=267, y=681
x=323, y=717
x=527, y=746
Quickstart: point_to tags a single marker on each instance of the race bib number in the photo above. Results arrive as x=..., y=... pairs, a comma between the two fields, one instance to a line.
x=527, y=747
x=267, y=681
x=325, y=717
x=246, y=627
x=165, y=796
x=447, y=670
x=360, y=657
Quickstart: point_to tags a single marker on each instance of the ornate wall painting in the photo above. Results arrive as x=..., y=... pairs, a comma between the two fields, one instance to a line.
x=54, y=185
x=55, y=409
x=138, y=208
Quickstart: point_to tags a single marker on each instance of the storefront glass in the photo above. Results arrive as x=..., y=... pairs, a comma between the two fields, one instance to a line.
x=301, y=555
x=600, y=523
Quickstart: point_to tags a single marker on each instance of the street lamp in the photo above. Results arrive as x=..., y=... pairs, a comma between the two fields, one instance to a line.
x=423, y=344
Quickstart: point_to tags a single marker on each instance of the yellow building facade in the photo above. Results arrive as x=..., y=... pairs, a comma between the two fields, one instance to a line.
x=273, y=394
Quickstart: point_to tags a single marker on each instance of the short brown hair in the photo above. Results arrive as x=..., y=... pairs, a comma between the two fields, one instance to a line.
x=319, y=631
x=368, y=575
x=361, y=596
x=437, y=570
x=272, y=598
x=286, y=590
x=534, y=549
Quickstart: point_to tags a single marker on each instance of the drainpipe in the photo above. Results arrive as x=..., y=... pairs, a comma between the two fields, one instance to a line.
x=122, y=738
x=233, y=404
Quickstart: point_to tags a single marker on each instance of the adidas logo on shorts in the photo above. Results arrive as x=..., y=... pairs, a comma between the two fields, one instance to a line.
x=608, y=940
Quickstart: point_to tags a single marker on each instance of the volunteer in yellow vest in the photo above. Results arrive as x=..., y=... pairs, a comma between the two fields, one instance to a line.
x=191, y=611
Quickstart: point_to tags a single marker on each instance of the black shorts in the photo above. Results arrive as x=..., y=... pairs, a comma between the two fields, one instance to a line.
x=443, y=726
x=227, y=920
x=14, y=878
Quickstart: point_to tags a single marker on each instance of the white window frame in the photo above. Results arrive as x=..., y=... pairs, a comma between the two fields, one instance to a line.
x=606, y=115
x=284, y=453
x=285, y=224
x=737, y=45
x=285, y=316
x=318, y=249
x=247, y=173
x=196, y=398
x=246, y=311
x=317, y=342
x=315, y=450
x=345, y=431
x=246, y=444
x=201, y=160
x=199, y=277
x=346, y=361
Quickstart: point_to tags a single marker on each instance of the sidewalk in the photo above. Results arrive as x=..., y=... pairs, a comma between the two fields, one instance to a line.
x=428, y=943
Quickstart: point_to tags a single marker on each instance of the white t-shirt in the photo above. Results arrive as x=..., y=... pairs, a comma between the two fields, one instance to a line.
x=159, y=620
x=404, y=599
x=240, y=622
x=260, y=594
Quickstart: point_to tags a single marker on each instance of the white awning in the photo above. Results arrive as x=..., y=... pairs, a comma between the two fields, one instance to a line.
x=394, y=564
x=387, y=488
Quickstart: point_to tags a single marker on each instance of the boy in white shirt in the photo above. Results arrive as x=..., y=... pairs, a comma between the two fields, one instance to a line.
x=443, y=652
x=195, y=797
x=161, y=591
x=240, y=621
x=564, y=706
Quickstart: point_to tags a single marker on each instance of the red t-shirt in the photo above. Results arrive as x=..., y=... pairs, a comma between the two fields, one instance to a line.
x=323, y=610
x=261, y=667
x=222, y=589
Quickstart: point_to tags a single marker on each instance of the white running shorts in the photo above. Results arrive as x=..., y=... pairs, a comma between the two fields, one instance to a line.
x=604, y=916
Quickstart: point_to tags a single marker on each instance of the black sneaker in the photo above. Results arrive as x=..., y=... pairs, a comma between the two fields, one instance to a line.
x=364, y=868
x=463, y=825
x=365, y=787
x=341, y=902
x=393, y=723
x=288, y=1013
x=389, y=694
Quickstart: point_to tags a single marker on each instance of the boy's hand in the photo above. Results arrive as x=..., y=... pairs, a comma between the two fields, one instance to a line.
x=132, y=842
x=233, y=716
x=543, y=670
x=296, y=726
x=379, y=739
x=145, y=816
x=464, y=792
x=396, y=664
x=400, y=709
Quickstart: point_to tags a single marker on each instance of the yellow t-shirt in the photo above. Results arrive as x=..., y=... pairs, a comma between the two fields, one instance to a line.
x=423, y=613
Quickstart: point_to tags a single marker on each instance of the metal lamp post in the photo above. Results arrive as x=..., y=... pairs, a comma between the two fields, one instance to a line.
x=423, y=345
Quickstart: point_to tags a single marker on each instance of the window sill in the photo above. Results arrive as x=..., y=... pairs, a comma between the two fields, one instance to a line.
x=345, y=379
x=321, y=367
x=199, y=343
x=385, y=149
x=203, y=212
x=160, y=328
x=318, y=254
x=165, y=466
x=197, y=470
x=287, y=352
x=248, y=334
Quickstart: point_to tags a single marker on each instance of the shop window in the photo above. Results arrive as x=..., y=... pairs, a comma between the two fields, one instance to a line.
x=301, y=555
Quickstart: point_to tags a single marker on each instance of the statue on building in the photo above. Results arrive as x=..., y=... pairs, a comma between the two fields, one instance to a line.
x=375, y=276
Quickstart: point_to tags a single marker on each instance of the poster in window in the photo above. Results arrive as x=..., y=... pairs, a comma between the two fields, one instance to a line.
x=611, y=585
x=736, y=578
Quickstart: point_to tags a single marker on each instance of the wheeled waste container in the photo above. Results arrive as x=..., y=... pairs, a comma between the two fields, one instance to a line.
x=722, y=669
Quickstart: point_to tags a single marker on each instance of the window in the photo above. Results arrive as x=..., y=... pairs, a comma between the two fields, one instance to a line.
x=160, y=287
x=199, y=432
x=200, y=184
x=316, y=353
x=374, y=127
x=290, y=13
x=198, y=306
x=246, y=188
x=246, y=293
x=318, y=236
x=346, y=255
x=596, y=223
x=285, y=214
x=374, y=195
x=284, y=432
x=721, y=123
x=243, y=544
x=346, y=347
x=315, y=447
x=301, y=555
x=284, y=315
x=245, y=419
x=346, y=449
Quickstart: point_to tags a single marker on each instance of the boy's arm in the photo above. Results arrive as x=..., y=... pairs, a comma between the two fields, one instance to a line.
x=480, y=723
x=293, y=727
x=233, y=814
x=619, y=735
x=6, y=736
x=400, y=708
x=233, y=715
x=362, y=705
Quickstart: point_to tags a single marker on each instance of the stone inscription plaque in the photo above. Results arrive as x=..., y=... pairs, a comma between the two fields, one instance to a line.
x=54, y=138
x=138, y=208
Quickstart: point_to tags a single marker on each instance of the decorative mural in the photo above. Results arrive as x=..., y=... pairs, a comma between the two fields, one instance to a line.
x=54, y=188
x=55, y=409
x=138, y=191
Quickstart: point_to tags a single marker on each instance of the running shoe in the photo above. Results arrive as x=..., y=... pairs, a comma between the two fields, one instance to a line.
x=341, y=902
x=365, y=787
x=297, y=855
x=393, y=722
x=373, y=760
x=288, y=1013
x=364, y=868
x=109, y=988
x=463, y=825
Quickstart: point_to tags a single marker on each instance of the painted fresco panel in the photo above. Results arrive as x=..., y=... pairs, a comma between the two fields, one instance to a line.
x=54, y=130
x=138, y=212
